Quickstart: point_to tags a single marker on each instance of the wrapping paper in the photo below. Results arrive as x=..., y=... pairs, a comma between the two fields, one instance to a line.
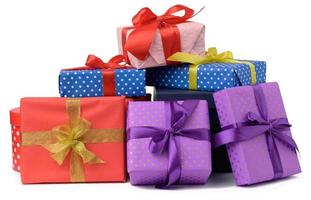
x=250, y=160
x=44, y=114
x=92, y=83
x=220, y=161
x=16, y=137
x=146, y=168
x=210, y=77
x=192, y=40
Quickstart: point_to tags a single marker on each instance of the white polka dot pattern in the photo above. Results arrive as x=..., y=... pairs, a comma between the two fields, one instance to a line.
x=89, y=83
x=210, y=77
x=146, y=168
x=16, y=147
x=130, y=82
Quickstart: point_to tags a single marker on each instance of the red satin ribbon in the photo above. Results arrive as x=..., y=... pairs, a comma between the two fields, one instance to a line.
x=146, y=23
x=115, y=62
x=123, y=36
x=108, y=72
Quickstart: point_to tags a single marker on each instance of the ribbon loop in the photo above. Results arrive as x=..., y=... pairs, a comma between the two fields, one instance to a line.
x=94, y=62
x=146, y=23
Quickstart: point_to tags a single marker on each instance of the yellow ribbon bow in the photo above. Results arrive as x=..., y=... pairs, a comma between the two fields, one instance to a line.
x=71, y=139
x=211, y=56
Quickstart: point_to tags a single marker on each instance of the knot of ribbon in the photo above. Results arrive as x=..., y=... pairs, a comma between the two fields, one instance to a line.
x=70, y=141
x=257, y=125
x=146, y=23
x=164, y=139
x=116, y=62
x=211, y=56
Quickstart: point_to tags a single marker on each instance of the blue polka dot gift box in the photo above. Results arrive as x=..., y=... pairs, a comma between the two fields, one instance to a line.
x=212, y=72
x=102, y=79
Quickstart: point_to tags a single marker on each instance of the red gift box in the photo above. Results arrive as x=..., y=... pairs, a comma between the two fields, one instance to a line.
x=72, y=140
x=15, y=129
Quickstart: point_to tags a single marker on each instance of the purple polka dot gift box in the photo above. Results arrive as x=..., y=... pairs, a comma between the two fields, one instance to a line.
x=168, y=143
x=256, y=132
x=212, y=72
x=102, y=79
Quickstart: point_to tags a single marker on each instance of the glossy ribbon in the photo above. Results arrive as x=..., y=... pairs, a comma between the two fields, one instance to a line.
x=116, y=62
x=258, y=125
x=71, y=139
x=146, y=23
x=108, y=72
x=211, y=56
x=163, y=139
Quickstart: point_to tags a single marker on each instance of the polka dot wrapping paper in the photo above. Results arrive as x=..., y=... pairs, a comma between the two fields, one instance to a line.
x=90, y=83
x=210, y=77
x=220, y=161
x=16, y=137
x=145, y=168
x=250, y=159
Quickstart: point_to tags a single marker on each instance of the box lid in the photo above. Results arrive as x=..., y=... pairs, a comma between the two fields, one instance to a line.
x=15, y=117
x=165, y=94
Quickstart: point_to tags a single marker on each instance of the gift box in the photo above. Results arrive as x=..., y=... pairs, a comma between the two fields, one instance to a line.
x=256, y=132
x=102, y=79
x=16, y=137
x=72, y=140
x=152, y=39
x=220, y=161
x=168, y=142
x=218, y=72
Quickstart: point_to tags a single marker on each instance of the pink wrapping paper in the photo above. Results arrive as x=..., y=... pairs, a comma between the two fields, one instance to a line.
x=192, y=36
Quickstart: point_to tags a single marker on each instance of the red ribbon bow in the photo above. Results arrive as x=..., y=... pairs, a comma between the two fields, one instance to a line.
x=146, y=23
x=116, y=62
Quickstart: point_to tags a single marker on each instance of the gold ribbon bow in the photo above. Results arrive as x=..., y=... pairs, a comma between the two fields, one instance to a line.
x=211, y=56
x=71, y=139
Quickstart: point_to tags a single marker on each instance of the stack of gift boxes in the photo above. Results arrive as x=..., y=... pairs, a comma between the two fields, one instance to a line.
x=211, y=113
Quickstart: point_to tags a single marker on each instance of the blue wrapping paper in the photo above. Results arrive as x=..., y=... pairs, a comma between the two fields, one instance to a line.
x=89, y=83
x=210, y=77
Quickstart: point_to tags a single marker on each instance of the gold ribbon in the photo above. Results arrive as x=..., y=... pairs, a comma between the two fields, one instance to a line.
x=71, y=139
x=211, y=56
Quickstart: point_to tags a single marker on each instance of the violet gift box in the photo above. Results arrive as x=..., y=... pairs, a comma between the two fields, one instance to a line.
x=250, y=159
x=145, y=168
x=220, y=161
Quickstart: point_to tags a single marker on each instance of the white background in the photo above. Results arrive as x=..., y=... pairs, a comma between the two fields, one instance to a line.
x=38, y=38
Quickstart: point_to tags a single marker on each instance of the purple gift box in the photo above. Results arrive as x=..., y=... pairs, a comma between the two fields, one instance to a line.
x=256, y=132
x=168, y=142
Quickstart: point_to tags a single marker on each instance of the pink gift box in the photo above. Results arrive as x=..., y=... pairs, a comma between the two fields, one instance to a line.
x=192, y=39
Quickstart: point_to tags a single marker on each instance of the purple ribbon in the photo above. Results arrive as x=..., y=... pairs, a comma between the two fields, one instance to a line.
x=163, y=139
x=258, y=125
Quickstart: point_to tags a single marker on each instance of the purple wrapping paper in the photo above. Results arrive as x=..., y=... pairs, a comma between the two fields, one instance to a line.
x=146, y=168
x=250, y=160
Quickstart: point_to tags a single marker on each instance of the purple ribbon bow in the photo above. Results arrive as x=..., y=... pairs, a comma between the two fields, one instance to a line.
x=258, y=125
x=163, y=139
